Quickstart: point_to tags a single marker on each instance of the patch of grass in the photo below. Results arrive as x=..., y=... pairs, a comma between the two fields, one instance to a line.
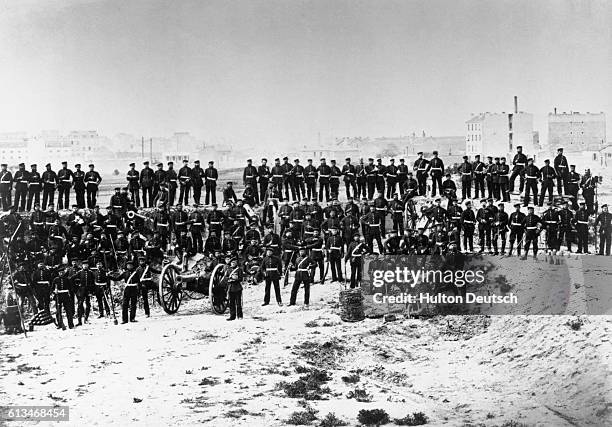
x=209, y=381
x=575, y=324
x=331, y=420
x=373, y=417
x=351, y=379
x=311, y=324
x=416, y=419
x=302, y=418
x=513, y=423
x=323, y=355
x=236, y=413
x=359, y=394
x=206, y=336
x=309, y=386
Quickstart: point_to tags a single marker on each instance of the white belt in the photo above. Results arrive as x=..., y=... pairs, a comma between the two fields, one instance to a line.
x=42, y=282
x=335, y=177
x=297, y=220
x=470, y=222
x=39, y=223
x=34, y=183
x=111, y=225
x=63, y=291
x=172, y=180
x=531, y=228
x=215, y=222
x=516, y=224
x=440, y=243
x=317, y=249
x=335, y=248
x=439, y=169
x=467, y=173
x=381, y=209
x=398, y=211
x=212, y=179
x=131, y=284
x=271, y=269
x=288, y=250
x=391, y=174
x=531, y=177
x=552, y=222
x=117, y=207
x=422, y=169
x=277, y=176
x=249, y=176
x=503, y=174
x=323, y=176
x=197, y=223
x=100, y=283
x=583, y=222
x=162, y=225
x=519, y=164
x=561, y=166
x=456, y=217
x=303, y=269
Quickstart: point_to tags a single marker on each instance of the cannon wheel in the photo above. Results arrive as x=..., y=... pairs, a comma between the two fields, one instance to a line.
x=170, y=288
x=218, y=304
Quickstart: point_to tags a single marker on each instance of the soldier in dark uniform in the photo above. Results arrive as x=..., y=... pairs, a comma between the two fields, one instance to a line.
x=449, y=188
x=582, y=228
x=298, y=180
x=519, y=163
x=287, y=169
x=100, y=288
x=6, y=187
x=197, y=181
x=381, y=171
x=324, y=172
x=349, y=178
x=453, y=213
x=397, y=208
x=133, y=179
x=302, y=276
x=263, y=174
x=147, y=182
x=64, y=182
x=548, y=178
x=162, y=224
x=495, y=179
x=196, y=218
x=562, y=171
x=86, y=282
x=371, y=178
x=354, y=255
x=63, y=298
x=233, y=276
x=479, y=172
x=180, y=220
x=78, y=178
x=420, y=168
x=334, y=180
x=532, y=224
x=132, y=278
x=172, y=183
x=489, y=169
x=272, y=240
x=436, y=170
x=372, y=227
x=92, y=181
x=335, y=251
x=34, y=186
x=485, y=220
x=466, y=179
x=184, y=178
x=361, y=179
x=572, y=186
x=49, y=179
x=566, y=217
x=604, y=221
x=550, y=222
x=315, y=244
x=588, y=185
x=391, y=175
x=21, y=179
x=272, y=270
x=500, y=229
x=23, y=288
x=249, y=177
x=215, y=220
x=531, y=175
x=503, y=171
x=229, y=195
x=160, y=179
x=311, y=176
x=517, y=229
x=210, y=181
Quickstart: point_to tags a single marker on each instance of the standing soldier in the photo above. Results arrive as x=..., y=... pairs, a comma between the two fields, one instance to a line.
x=485, y=220
x=79, y=186
x=272, y=269
x=566, y=217
x=132, y=277
x=180, y=220
x=49, y=183
x=588, y=185
x=604, y=220
x=503, y=172
x=348, y=171
x=402, y=176
x=381, y=206
x=495, y=178
x=371, y=178
x=302, y=276
x=22, y=177
x=298, y=180
x=147, y=182
x=311, y=180
x=233, y=275
x=184, y=178
x=489, y=176
x=548, y=176
x=531, y=223
x=468, y=224
x=436, y=169
x=582, y=228
x=381, y=171
x=361, y=180
x=517, y=229
x=531, y=175
x=64, y=298
x=92, y=181
x=133, y=179
x=354, y=254
x=391, y=179
x=421, y=167
x=324, y=172
x=102, y=283
x=215, y=220
x=172, y=183
x=334, y=180
x=315, y=243
x=160, y=178
x=573, y=184
x=86, y=282
x=197, y=181
x=249, y=177
x=34, y=186
x=6, y=187
x=397, y=214
x=161, y=225
x=550, y=221
x=454, y=212
x=263, y=173
x=519, y=163
x=278, y=176
x=562, y=171
x=64, y=182
x=500, y=228
x=210, y=176
x=335, y=252
x=466, y=179
x=196, y=218
x=287, y=169
x=41, y=279
x=480, y=173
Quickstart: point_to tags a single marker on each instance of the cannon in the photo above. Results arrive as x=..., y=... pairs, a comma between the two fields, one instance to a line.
x=195, y=278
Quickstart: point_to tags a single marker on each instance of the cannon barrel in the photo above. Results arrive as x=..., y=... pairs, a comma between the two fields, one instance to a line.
x=188, y=277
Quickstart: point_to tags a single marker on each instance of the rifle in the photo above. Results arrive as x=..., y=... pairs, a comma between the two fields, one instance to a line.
x=110, y=290
x=286, y=273
x=8, y=260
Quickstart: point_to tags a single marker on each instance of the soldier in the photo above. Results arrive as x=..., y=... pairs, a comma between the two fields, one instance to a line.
x=86, y=282
x=411, y=188
x=196, y=218
x=572, y=186
x=162, y=224
x=495, y=179
x=41, y=281
x=503, y=172
x=335, y=252
x=324, y=172
x=199, y=177
x=392, y=178
x=272, y=240
x=361, y=179
x=485, y=220
x=159, y=179
x=371, y=178
x=272, y=269
x=212, y=243
x=381, y=171
x=92, y=181
x=582, y=228
x=277, y=173
x=397, y=213
x=519, y=163
x=263, y=173
x=296, y=219
x=183, y=247
x=466, y=169
x=454, y=213
x=63, y=299
x=449, y=188
x=334, y=180
x=215, y=220
x=249, y=177
x=229, y=195
x=381, y=206
x=49, y=179
x=439, y=240
x=21, y=179
x=302, y=276
x=78, y=178
x=315, y=244
x=64, y=182
x=588, y=185
x=517, y=229
x=172, y=183
x=233, y=276
x=548, y=176
x=402, y=176
x=604, y=221
x=489, y=169
x=184, y=179
x=132, y=277
x=421, y=166
x=180, y=220
x=550, y=221
x=531, y=223
x=371, y=226
x=479, y=171
x=436, y=170
x=34, y=186
x=531, y=175
x=287, y=169
x=101, y=285
x=147, y=182
x=298, y=180
x=311, y=176
x=6, y=187
x=561, y=170
x=500, y=228
x=349, y=173
x=566, y=217
x=353, y=255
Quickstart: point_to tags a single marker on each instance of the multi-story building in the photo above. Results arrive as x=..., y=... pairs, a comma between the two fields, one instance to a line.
x=576, y=132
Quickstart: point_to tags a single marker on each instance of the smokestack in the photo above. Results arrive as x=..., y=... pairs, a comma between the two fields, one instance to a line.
x=515, y=104
x=555, y=111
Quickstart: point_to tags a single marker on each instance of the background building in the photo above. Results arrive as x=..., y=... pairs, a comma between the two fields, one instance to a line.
x=576, y=131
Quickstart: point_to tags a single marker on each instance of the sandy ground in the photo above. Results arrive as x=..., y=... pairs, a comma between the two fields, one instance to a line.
x=195, y=367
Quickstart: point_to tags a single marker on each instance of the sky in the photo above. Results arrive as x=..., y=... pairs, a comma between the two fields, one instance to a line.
x=257, y=73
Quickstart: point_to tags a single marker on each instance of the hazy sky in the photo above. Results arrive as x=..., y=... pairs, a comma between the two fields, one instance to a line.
x=268, y=72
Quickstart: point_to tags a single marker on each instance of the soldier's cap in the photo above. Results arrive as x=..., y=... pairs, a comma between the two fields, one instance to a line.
x=419, y=153
x=36, y=204
x=530, y=159
x=249, y=160
x=582, y=203
x=309, y=160
x=348, y=159
x=549, y=204
x=465, y=157
x=179, y=204
x=160, y=165
x=519, y=147
x=75, y=206
x=547, y=161
x=22, y=165
x=117, y=188
x=517, y=205
x=277, y=160
x=448, y=175
x=483, y=201
x=197, y=162
x=264, y=159
x=604, y=205
x=560, y=149
x=468, y=203
x=91, y=165
x=268, y=248
x=500, y=204
x=322, y=159
x=477, y=156
x=296, y=161
x=78, y=165
x=230, y=183
x=146, y=163
x=370, y=159
x=392, y=160
x=402, y=160
x=85, y=261
x=435, y=153
x=185, y=161
x=285, y=158
x=437, y=199
x=333, y=161
x=572, y=166
x=497, y=158
x=4, y=165
x=503, y=158
x=141, y=258
x=379, y=160
x=48, y=165
x=33, y=165
x=490, y=157
x=489, y=199
x=410, y=173
x=65, y=163
x=131, y=165
x=170, y=163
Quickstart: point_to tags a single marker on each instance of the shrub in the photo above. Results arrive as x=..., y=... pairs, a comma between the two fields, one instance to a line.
x=373, y=417
x=331, y=420
x=302, y=418
x=416, y=419
x=351, y=379
x=359, y=394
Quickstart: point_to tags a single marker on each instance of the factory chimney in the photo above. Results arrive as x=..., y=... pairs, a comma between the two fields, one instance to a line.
x=515, y=104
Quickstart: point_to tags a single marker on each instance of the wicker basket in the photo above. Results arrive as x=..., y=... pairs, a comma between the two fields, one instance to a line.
x=351, y=305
